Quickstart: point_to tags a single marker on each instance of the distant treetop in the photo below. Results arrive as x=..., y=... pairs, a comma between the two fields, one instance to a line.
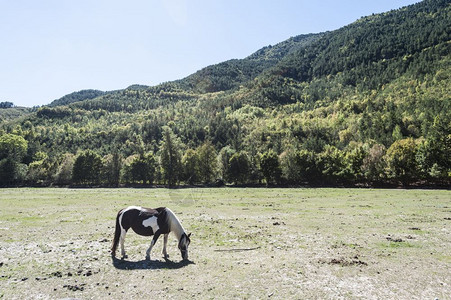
x=6, y=104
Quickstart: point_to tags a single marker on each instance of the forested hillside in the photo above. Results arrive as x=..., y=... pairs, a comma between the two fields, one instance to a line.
x=11, y=112
x=76, y=97
x=368, y=103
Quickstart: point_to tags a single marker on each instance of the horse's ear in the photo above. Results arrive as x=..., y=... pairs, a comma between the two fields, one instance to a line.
x=189, y=234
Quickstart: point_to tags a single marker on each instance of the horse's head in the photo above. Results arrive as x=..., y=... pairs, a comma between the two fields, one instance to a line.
x=183, y=245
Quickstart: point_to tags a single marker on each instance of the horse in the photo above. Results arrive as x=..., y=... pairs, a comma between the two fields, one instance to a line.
x=148, y=222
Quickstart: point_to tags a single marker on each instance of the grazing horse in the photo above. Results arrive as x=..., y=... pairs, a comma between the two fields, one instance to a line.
x=148, y=222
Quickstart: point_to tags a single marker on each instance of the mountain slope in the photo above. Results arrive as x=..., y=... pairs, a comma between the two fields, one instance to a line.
x=224, y=76
x=233, y=73
x=379, y=38
x=376, y=49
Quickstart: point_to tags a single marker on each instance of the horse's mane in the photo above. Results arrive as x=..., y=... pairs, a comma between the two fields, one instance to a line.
x=174, y=224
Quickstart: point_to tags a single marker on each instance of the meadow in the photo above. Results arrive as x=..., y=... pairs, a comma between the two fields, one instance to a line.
x=247, y=243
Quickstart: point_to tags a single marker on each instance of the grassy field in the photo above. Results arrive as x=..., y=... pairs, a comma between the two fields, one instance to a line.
x=246, y=243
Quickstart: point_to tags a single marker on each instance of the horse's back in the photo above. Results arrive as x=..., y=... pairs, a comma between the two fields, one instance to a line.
x=141, y=211
x=144, y=221
x=150, y=212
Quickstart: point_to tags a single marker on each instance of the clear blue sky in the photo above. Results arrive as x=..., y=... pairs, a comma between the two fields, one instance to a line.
x=49, y=48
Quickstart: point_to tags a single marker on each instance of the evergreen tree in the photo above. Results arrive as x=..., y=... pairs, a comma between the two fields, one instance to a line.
x=207, y=162
x=170, y=157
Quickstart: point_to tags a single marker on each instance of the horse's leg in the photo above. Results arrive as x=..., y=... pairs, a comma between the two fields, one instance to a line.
x=165, y=253
x=152, y=243
x=122, y=240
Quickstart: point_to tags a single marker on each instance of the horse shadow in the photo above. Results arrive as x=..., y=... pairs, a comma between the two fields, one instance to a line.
x=145, y=264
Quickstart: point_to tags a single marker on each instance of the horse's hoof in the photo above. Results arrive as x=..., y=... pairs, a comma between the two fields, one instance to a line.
x=124, y=257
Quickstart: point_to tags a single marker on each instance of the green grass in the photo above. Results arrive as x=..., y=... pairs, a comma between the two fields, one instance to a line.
x=305, y=243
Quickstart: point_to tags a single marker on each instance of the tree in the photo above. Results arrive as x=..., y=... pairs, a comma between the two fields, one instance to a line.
x=13, y=149
x=87, y=168
x=270, y=167
x=142, y=168
x=64, y=173
x=291, y=170
x=13, y=146
x=374, y=164
x=306, y=163
x=126, y=171
x=401, y=160
x=40, y=169
x=11, y=172
x=6, y=104
x=353, y=160
x=223, y=162
x=170, y=156
x=190, y=162
x=112, y=165
x=239, y=167
x=331, y=163
x=433, y=158
x=207, y=162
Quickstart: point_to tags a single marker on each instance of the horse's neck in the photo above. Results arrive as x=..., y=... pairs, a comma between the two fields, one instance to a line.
x=175, y=225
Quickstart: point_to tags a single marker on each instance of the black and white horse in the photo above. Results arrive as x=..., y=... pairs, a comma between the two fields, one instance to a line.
x=148, y=222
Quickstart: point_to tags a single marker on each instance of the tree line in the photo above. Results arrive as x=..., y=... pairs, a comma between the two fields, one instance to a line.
x=405, y=161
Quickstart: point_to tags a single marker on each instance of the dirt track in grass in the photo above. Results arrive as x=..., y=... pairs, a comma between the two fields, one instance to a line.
x=246, y=243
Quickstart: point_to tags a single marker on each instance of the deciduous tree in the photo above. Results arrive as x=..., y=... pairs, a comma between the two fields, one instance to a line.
x=239, y=167
x=87, y=168
x=401, y=160
x=270, y=167
x=190, y=162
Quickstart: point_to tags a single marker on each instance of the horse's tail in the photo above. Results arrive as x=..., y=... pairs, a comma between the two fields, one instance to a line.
x=117, y=235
